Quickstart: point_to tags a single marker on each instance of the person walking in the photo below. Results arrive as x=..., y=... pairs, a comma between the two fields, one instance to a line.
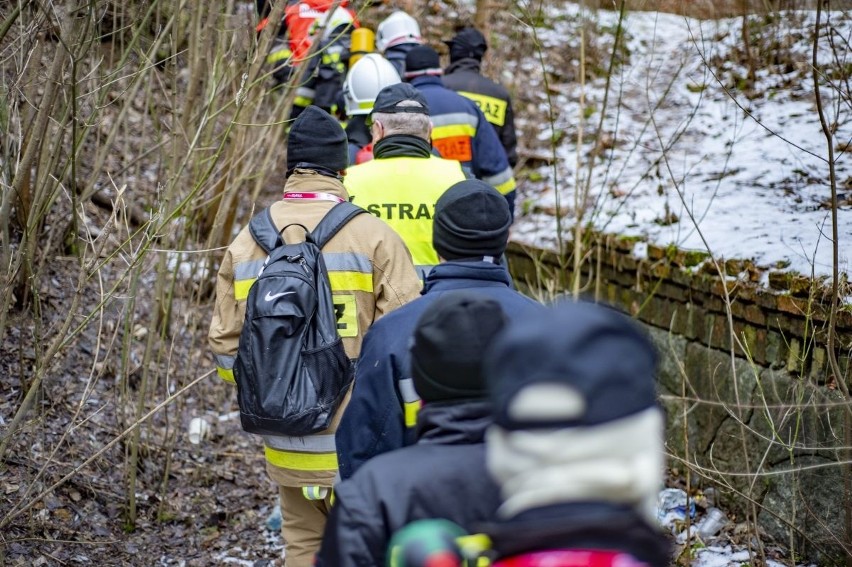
x=322, y=81
x=404, y=180
x=370, y=273
x=443, y=475
x=363, y=84
x=396, y=35
x=470, y=233
x=459, y=129
x=577, y=444
x=464, y=75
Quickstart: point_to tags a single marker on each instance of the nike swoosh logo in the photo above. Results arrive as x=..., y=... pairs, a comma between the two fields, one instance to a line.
x=270, y=296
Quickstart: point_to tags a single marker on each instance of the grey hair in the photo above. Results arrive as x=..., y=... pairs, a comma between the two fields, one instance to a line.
x=413, y=124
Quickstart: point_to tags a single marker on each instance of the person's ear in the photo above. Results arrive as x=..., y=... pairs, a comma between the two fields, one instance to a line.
x=377, y=131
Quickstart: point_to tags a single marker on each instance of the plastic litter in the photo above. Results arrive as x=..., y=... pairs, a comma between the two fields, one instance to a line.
x=199, y=429
x=712, y=523
x=273, y=521
x=672, y=507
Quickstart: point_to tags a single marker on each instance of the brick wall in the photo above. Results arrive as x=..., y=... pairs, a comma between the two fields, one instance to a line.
x=782, y=325
x=765, y=426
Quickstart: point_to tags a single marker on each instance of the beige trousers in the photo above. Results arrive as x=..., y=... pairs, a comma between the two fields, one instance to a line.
x=302, y=526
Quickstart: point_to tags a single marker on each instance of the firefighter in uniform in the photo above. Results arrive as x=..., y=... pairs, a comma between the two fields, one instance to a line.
x=404, y=180
x=398, y=34
x=370, y=273
x=464, y=76
x=363, y=83
x=459, y=129
x=323, y=79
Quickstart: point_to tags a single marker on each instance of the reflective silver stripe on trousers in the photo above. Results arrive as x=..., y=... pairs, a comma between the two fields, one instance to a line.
x=308, y=444
x=407, y=391
x=248, y=270
x=453, y=118
x=305, y=92
x=225, y=361
x=499, y=178
x=346, y=262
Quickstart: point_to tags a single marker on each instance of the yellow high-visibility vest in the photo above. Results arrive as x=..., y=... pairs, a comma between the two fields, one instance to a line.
x=402, y=191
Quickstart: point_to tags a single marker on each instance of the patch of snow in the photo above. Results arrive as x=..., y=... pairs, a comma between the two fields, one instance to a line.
x=695, y=165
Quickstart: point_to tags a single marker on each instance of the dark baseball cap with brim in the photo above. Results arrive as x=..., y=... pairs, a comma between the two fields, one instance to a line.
x=390, y=97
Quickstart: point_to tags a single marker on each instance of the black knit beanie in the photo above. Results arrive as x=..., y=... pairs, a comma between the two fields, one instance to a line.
x=472, y=219
x=316, y=138
x=449, y=341
x=422, y=60
x=469, y=43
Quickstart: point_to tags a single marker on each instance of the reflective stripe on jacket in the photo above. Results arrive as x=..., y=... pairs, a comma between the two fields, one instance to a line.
x=402, y=191
x=442, y=476
x=460, y=131
x=492, y=98
x=371, y=274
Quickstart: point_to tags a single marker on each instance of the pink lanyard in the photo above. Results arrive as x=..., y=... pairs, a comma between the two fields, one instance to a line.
x=313, y=196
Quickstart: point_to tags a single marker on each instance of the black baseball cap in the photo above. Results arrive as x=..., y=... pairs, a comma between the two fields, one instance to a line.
x=389, y=98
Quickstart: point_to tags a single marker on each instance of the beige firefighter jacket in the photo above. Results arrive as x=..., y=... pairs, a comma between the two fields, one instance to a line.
x=371, y=273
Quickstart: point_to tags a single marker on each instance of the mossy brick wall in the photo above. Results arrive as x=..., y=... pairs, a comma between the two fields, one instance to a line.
x=766, y=425
x=782, y=326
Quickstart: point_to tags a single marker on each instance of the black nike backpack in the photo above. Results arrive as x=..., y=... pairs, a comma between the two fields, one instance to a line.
x=291, y=370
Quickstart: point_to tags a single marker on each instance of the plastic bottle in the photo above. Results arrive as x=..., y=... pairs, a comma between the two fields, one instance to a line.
x=713, y=522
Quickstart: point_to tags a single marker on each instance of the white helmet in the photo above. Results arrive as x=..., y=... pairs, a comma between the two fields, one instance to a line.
x=397, y=28
x=365, y=79
x=333, y=20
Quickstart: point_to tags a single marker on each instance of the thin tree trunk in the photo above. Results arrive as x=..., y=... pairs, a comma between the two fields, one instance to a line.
x=839, y=378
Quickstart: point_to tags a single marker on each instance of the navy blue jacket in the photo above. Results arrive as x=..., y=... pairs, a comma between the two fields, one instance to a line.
x=460, y=131
x=442, y=476
x=464, y=77
x=374, y=421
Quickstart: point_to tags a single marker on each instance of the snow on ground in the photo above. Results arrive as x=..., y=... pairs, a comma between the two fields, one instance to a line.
x=744, y=177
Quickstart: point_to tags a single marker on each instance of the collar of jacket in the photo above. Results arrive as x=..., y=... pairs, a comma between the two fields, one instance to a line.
x=460, y=275
x=453, y=423
x=402, y=145
x=309, y=181
x=466, y=64
x=423, y=80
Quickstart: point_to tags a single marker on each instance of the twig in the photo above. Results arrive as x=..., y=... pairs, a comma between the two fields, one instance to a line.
x=20, y=508
x=839, y=379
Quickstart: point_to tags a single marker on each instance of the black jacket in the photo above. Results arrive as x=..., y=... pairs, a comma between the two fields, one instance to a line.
x=442, y=476
x=464, y=77
x=358, y=134
x=580, y=525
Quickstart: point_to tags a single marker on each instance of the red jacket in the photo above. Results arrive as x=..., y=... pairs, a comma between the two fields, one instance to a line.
x=299, y=19
x=571, y=558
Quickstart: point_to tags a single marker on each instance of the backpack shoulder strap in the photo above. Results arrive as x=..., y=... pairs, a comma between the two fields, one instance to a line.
x=333, y=221
x=264, y=231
